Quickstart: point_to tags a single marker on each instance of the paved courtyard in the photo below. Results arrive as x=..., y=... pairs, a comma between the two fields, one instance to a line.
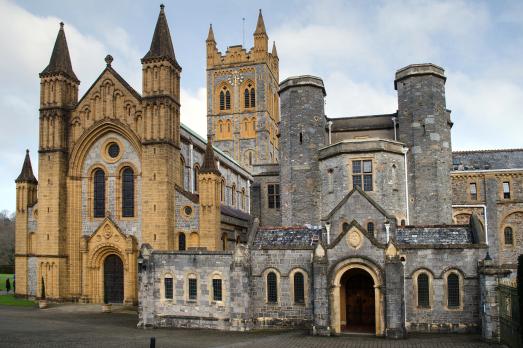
x=85, y=326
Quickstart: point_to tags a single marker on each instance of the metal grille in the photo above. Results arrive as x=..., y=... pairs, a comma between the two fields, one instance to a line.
x=127, y=192
x=509, y=236
x=272, y=288
x=181, y=241
x=423, y=291
x=299, y=288
x=193, y=288
x=99, y=193
x=453, y=291
x=370, y=227
x=217, y=289
x=168, y=287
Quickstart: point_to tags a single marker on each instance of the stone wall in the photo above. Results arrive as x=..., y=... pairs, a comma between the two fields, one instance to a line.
x=264, y=175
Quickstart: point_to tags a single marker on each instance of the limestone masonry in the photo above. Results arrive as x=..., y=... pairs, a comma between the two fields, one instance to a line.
x=282, y=217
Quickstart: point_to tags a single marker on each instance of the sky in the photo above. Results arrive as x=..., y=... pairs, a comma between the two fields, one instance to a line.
x=354, y=46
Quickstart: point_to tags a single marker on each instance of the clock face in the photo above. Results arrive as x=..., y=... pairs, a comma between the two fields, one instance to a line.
x=236, y=78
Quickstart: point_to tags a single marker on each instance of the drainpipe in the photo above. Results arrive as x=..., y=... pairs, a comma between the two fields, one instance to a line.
x=329, y=124
x=249, y=192
x=191, y=168
x=484, y=207
x=405, y=150
x=394, y=120
x=328, y=228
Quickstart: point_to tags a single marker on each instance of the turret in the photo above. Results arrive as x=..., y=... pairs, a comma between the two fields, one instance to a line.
x=302, y=130
x=161, y=139
x=210, y=210
x=26, y=196
x=261, y=40
x=212, y=50
x=424, y=126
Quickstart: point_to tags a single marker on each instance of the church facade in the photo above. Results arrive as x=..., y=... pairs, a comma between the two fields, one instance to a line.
x=283, y=217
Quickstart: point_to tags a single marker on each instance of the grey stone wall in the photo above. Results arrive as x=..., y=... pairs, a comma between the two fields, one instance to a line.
x=183, y=222
x=302, y=133
x=424, y=126
x=32, y=264
x=264, y=175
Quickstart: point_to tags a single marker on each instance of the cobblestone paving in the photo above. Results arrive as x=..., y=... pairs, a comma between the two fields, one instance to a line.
x=83, y=327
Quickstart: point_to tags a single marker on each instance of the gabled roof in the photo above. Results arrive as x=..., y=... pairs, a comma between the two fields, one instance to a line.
x=161, y=44
x=118, y=77
x=193, y=197
x=60, y=60
x=355, y=224
x=235, y=213
x=292, y=237
x=366, y=196
x=26, y=175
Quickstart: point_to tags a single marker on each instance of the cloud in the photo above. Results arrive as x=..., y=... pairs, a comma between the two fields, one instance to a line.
x=194, y=110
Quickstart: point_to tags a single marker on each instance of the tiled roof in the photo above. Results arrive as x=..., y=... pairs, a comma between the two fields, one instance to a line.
x=236, y=213
x=444, y=234
x=295, y=237
x=26, y=175
x=60, y=60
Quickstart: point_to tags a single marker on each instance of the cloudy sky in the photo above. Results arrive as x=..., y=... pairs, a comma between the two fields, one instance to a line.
x=355, y=46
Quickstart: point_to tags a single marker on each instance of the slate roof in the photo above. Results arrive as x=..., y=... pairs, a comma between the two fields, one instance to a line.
x=26, y=175
x=444, y=234
x=341, y=124
x=487, y=159
x=296, y=237
x=236, y=213
x=60, y=60
x=161, y=44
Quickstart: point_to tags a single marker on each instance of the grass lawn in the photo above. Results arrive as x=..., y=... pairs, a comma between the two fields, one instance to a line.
x=3, y=277
x=10, y=300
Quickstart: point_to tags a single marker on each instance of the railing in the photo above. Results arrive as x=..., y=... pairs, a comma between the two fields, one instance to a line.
x=509, y=316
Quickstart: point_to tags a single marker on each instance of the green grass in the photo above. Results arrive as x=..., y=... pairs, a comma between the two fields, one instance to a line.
x=10, y=300
x=3, y=277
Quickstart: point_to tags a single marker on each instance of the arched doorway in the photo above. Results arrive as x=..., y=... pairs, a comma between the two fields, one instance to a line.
x=357, y=301
x=113, y=279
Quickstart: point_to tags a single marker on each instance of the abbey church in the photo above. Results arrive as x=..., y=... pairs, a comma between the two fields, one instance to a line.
x=283, y=217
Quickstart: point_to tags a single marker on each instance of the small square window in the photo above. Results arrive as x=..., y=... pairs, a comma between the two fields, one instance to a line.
x=356, y=167
x=506, y=190
x=367, y=166
x=473, y=191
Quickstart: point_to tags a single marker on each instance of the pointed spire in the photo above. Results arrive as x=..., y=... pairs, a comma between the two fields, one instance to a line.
x=260, y=26
x=274, y=52
x=161, y=45
x=210, y=36
x=60, y=60
x=26, y=175
x=209, y=163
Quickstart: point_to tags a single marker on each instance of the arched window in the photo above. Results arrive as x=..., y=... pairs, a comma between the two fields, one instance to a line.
x=222, y=100
x=196, y=171
x=453, y=295
x=299, y=288
x=182, y=171
x=370, y=227
x=250, y=158
x=99, y=193
x=272, y=288
x=227, y=100
x=243, y=198
x=181, y=241
x=246, y=98
x=423, y=291
x=253, y=98
x=127, y=192
x=222, y=190
x=345, y=227
x=217, y=289
x=168, y=286
x=233, y=195
x=509, y=236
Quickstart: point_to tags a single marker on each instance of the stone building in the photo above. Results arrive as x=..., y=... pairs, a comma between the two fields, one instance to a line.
x=292, y=219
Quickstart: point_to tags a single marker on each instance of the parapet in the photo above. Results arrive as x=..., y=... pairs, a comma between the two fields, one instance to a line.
x=303, y=80
x=418, y=70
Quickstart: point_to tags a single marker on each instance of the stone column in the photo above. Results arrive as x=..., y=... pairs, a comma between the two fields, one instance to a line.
x=240, y=290
x=489, y=275
x=146, y=307
x=85, y=270
x=320, y=293
x=394, y=301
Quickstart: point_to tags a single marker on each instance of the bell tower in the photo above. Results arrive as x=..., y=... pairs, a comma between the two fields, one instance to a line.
x=161, y=140
x=242, y=99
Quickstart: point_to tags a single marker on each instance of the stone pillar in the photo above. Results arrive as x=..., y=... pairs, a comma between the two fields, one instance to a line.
x=394, y=301
x=240, y=290
x=146, y=307
x=489, y=275
x=320, y=293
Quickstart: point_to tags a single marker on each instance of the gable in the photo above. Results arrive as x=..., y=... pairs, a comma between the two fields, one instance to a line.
x=109, y=97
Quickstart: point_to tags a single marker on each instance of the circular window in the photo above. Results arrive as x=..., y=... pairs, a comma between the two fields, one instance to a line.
x=187, y=210
x=113, y=150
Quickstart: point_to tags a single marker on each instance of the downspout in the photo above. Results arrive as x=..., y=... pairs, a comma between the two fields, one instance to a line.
x=484, y=207
x=329, y=124
x=394, y=120
x=191, y=164
x=405, y=150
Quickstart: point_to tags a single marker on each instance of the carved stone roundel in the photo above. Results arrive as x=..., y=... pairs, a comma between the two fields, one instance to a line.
x=354, y=239
x=107, y=232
